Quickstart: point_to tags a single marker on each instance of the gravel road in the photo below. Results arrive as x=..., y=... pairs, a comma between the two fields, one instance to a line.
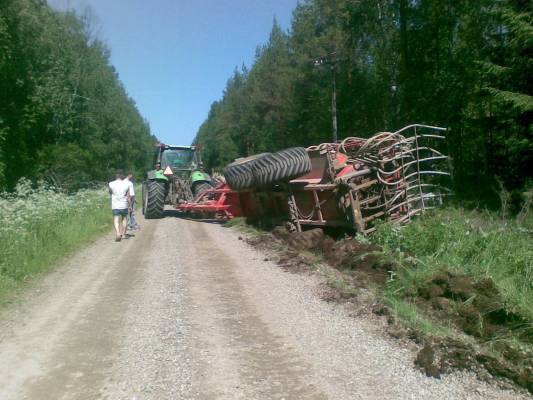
x=185, y=310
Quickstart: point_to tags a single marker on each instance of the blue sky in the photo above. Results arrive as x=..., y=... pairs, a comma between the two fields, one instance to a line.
x=175, y=56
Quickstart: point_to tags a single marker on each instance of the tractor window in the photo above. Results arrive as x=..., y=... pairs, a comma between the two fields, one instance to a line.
x=177, y=158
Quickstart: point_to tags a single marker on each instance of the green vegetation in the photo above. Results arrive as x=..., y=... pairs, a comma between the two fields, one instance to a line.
x=410, y=315
x=64, y=114
x=463, y=65
x=40, y=226
x=468, y=248
x=466, y=242
x=239, y=222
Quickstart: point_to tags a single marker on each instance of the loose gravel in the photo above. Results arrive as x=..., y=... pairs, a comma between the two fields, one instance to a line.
x=153, y=361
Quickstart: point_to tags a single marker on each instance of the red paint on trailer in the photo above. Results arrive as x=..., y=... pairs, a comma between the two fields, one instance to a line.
x=221, y=201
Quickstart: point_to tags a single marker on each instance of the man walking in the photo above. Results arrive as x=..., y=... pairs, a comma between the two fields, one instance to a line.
x=120, y=203
x=132, y=220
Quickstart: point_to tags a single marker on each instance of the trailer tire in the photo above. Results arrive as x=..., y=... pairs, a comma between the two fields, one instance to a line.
x=239, y=174
x=281, y=166
x=154, y=193
x=201, y=187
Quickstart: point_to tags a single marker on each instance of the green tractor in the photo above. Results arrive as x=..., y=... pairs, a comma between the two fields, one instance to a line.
x=178, y=177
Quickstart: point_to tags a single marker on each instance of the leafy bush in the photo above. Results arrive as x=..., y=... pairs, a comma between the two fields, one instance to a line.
x=40, y=225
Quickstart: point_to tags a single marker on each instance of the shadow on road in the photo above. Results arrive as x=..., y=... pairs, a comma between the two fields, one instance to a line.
x=169, y=213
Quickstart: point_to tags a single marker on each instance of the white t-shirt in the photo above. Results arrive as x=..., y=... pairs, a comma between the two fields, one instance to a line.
x=132, y=191
x=119, y=194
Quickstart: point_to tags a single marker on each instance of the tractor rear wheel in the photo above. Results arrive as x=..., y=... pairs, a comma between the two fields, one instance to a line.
x=239, y=174
x=154, y=193
x=201, y=187
x=282, y=165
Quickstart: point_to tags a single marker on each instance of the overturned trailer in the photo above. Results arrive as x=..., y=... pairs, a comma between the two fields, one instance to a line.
x=390, y=176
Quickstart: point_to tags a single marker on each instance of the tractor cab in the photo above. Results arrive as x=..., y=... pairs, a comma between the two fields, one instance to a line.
x=179, y=158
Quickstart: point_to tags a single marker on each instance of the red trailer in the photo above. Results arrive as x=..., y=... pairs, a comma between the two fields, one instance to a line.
x=392, y=176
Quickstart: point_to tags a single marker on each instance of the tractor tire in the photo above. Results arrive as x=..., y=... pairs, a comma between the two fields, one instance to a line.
x=154, y=193
x=201, y=187
x=282, y=166
x=239, y=174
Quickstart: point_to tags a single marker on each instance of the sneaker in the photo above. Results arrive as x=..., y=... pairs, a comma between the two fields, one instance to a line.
x=118, y=238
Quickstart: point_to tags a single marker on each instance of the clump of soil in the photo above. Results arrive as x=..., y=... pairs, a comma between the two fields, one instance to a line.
x=445, y=355
x=311, y=240
x=478, y=310
x=475, y=307
x=359, y=259
x=426, y=360
x=290, y=259
x=294, y=262
x=348, y=255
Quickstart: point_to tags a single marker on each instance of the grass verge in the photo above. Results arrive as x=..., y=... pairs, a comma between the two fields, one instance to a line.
x=465, y=268
x=463, y=279
x=40, y=226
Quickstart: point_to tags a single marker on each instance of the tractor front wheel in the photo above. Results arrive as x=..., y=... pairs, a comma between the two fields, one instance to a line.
x=201, y=187
x=154, y=193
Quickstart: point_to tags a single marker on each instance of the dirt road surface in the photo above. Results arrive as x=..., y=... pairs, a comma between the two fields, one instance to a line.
x=185, y=310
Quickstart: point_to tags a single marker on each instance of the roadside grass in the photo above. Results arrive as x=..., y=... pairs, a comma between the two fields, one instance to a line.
x=238, y=222
x=40, y=226
x=339, y=281
x=411, y=316
x=474, y=244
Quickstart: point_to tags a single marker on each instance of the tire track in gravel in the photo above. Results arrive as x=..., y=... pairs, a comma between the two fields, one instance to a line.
x=238, y=356
x=153, y=360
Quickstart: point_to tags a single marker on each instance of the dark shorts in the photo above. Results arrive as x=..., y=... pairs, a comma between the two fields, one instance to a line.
x=121, y=212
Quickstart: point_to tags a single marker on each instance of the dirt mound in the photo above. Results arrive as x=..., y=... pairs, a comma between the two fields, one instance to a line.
x=445, y=355
x=313, y=239
x=294, y=262
x=348, y=255
x=475, y=307
x=359, y=260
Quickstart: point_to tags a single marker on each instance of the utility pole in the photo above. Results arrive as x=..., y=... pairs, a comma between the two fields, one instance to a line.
x=332, y=63
x=334, y=104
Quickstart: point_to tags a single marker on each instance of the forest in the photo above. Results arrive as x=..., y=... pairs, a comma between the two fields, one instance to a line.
x=463, y=65
x=65, y=117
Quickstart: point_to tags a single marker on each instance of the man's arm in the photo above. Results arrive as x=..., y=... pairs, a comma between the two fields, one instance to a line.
x=132, y=190
x=131, y=195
